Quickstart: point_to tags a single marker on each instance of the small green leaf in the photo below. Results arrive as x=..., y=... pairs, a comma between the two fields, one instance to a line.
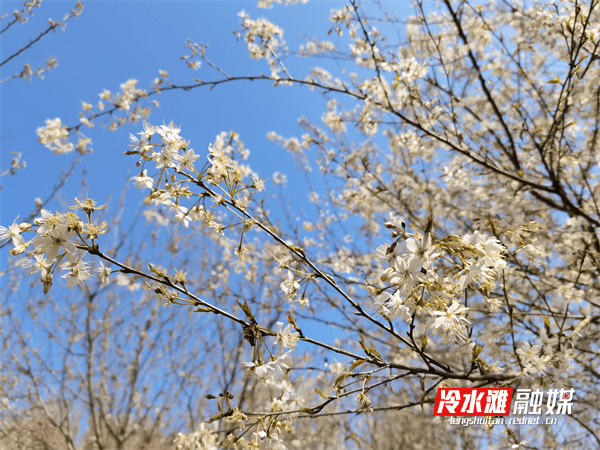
x=362, y=342
x=292, y=321
x=546, y=324
x=297, y=249
x=247, y=311
x=339, y=380
x=555, y=81
x=220, y=416
x=476, y=352
x=156, y=271
x=356, y=363
x=320, y=393
x=372, y=351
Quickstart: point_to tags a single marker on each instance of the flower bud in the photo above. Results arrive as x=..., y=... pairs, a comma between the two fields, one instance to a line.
x=18, y=249
x=47, y=283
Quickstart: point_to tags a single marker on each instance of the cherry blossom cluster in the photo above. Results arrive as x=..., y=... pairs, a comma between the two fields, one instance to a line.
x=290, y=287
x=204, y=438
x=423, y=279
x=174, y=164
x=285, y=338
x=28, y=73
x=16, y=163
x=59, y=243
x=55, y=136
x=264, y=40
x=126, y=102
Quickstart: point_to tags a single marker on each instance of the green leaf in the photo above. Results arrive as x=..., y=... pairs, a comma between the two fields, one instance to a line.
x=429, y=224
x=424, y=341
x=477, y=349
x=369, y=351
x=220, y=416
x=365, y=162
x=297, y=249
x=546, y=324
x=156, y=271
x=320, y=393
x=292, y=321
x=247, y=311
x=555, y=81
x=356, y=363
x=362, y=342
x=339, y=380
x=374, y=352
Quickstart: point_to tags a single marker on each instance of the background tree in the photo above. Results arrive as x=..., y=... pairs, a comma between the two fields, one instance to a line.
x=459, y=144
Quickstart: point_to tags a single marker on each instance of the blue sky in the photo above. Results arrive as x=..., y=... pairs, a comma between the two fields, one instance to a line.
x=112, y=42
